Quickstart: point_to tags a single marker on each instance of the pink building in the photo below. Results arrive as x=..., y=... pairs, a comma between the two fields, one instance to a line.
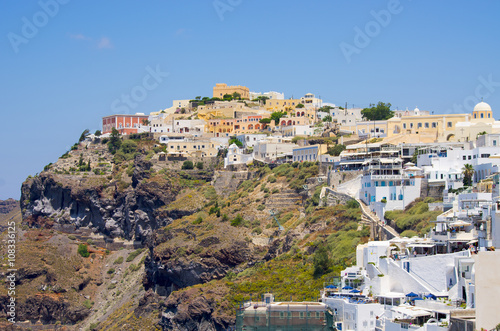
x=125, y=124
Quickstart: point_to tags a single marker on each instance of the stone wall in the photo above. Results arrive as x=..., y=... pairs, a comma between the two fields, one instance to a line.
x=335, y=198
x=336, y=178
x=226, y=182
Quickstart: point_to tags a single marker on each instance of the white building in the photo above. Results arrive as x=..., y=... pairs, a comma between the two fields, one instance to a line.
x=249, y=140
x=297, y=130
x=443, y=165
x=180, y=103
x=308, y=153
x=271, y=148
x=415, y=112
x=165, y=123
x=235, y=156
x=385, y=185
x=310, y=99
x=354, y=313
x=346, y=116
x=271, y=95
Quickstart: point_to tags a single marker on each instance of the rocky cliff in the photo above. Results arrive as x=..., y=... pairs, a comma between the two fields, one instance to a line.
x=101, y=205
x=6, y=206
x=209, y=235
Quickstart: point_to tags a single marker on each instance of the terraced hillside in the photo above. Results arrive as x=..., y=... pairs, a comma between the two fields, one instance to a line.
x=169, y=248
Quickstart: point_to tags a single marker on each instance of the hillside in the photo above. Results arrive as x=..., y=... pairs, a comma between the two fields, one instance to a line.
x=168, y=247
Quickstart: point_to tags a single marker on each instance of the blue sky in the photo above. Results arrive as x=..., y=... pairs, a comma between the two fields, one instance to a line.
x=64, y=74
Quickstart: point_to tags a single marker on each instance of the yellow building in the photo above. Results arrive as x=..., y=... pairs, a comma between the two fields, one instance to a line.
x=282, y=105
x=220, y=127
x=194, y=148
x=438, y=128
x=244, y=124
x=482, y=112
x=222, y=89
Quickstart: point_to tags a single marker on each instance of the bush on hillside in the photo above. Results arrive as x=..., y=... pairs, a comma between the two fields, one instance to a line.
x=187, y=165
x=83, y=250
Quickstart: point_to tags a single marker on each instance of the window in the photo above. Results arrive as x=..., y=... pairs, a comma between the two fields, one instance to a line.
x=404, y=125
x=301, y=315
x=434, y=124
x=419, y=125
x=464, y=157
x=489, y=115
x=426, y=125
x=450, y=124
x=469, y=157
x=482, y=115
x=494, y=142
x=282, y=315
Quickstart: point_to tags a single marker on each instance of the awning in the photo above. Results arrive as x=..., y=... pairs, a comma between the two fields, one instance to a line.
x=459, y=223
x=421, y=245
x=472, y=242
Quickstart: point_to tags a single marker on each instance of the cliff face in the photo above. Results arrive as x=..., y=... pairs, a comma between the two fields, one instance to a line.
x=132, y=213
x=6, y=206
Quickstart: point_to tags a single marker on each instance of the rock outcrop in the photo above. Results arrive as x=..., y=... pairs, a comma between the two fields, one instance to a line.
x=48, y=309
x=6, y=206
x=64, y=200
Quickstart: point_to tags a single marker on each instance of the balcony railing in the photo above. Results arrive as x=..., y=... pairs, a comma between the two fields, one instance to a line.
x=387, y=177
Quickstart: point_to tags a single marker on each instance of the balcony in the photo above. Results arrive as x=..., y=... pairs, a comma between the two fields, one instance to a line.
x=386, y=177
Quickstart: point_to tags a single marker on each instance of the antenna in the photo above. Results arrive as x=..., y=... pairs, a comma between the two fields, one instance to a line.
x=273, y=214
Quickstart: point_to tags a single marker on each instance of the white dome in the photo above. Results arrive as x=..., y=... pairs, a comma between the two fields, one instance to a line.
x=482, y=106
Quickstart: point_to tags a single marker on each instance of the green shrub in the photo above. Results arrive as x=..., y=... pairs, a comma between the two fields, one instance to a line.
x=134, y=254
x=198, y=220
x=187, y=165
x=321, y=261
x=83, y=250
x=90, y=241
x=71, y=237
x=88, y=304
x=274, y=191
x=134, y=267
x=271, y=179
x=261, y=207
x=237, y=221
x=257, y=230
x=352, y=204
x=118, y=260
x=111, y=271
x=199, y=165
x=210, y=193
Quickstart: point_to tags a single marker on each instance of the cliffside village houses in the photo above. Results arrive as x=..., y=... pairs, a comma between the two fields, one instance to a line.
x=445, y=281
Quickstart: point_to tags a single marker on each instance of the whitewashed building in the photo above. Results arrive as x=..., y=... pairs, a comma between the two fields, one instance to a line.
x=235, y=156
x=386, y=185
x=271, y=148
x=249, y=140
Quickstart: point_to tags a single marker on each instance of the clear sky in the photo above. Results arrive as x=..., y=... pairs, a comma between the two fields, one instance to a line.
x=65, y=63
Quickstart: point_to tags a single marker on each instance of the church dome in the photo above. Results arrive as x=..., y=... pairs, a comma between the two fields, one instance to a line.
x=482, y=106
